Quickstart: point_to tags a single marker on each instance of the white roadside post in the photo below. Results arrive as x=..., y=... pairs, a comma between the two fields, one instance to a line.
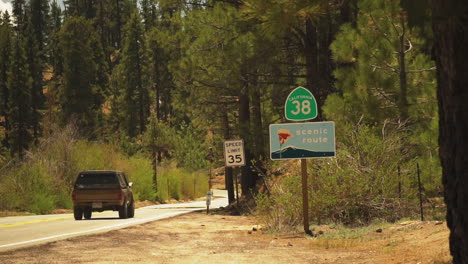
x=209, y=194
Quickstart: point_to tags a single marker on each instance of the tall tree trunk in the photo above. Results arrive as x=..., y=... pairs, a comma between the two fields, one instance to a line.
x=154, y=163
x=450, y=48
x=312, y=71
x=141, y=97
x=318, y=37
x=228, y=175
x=403, y=100
x=257, y=125
x=119, y=25
x=248, y=178
x=4, y=106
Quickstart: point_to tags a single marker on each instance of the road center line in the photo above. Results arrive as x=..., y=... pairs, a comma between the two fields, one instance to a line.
x=139, y=221
x=36, y=221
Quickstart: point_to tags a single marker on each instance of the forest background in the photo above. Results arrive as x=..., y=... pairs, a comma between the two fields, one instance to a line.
x=154, y=87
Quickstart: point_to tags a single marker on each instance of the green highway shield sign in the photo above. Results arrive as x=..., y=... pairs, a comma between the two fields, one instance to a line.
x=300, y=105
x=302, y=140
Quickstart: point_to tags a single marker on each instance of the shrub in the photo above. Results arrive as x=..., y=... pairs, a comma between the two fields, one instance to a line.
x=43, y=181
x=141, y=174
x=179, y=183
x=27, y=188
x=358, y=186
x=282, y=209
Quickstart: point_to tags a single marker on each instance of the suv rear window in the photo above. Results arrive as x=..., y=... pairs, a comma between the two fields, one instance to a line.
x=97, y=180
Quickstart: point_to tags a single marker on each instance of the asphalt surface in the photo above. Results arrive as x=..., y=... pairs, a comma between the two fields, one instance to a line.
x=24, y=231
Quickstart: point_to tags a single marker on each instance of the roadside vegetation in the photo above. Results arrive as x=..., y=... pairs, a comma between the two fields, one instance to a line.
x=369, y=180
x=43, y=180
x=153, y=88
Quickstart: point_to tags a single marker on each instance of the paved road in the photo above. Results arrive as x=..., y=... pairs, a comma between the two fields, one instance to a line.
x=23, y=231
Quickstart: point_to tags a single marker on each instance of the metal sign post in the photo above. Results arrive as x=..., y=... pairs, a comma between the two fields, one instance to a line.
x=302, y=140
x=305, y=197
x=236, y=177
x=209, y=194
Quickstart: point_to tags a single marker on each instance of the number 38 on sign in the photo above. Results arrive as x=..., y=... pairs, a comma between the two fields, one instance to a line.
x=234, y=153
x=300, y=105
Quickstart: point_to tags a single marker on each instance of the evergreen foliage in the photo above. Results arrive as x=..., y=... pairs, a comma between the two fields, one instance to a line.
x=135, y=96
x=19, y=83
x=388, y=83
x=6, y=33
x=53, y=52
x=19, y=13
x=164, y=81
x=82, y=93
x=35, y=56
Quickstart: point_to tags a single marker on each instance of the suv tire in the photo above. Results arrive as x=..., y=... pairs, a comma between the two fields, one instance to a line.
x=78, y=213
x=123, y=211
x=131, y=210
x=87, y=213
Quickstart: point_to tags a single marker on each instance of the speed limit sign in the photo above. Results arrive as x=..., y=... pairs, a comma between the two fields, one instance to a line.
x=234, y=153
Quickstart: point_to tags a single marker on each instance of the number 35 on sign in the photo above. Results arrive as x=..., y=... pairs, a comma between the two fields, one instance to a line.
x=234, y=153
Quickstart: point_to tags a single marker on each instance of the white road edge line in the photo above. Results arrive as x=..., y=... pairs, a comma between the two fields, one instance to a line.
x=166, y=215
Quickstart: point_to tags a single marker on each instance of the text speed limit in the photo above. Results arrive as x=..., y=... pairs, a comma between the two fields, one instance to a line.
x=234, y=153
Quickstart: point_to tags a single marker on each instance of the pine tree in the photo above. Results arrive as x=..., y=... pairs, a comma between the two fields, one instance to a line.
x=19, y=11
x=135, y=96
x=36, y=29
x=19, y=105
x=53, y=51
x=148, y=13
x=450, y=42
x=39, y=17
x=84, y=8
x=224, y=61
x=161, y=54
x=386, y=81
x=81, y=97
x=307, y=28
x=6, y=32
x=120, y=12
x=386, y=77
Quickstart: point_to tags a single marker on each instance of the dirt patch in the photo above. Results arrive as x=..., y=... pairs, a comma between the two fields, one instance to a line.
x=201, y=238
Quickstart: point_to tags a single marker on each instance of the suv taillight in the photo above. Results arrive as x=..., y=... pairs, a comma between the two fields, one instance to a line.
x=74, y=195
x=121, y=195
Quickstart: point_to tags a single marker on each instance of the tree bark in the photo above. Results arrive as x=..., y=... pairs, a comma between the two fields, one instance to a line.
x=248, y=177
x=228, y=175
x=403, y=100
x=257, y=124
x=317, y=40
x=312, y=71
x=450, y=48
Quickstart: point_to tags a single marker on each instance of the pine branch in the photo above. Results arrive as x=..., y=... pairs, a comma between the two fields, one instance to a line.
x=380, y=31
x=393, y=69
x=422, y=70
x=278, y=76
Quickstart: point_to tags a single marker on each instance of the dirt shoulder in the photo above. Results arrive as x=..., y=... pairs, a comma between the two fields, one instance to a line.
x=201, y=238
